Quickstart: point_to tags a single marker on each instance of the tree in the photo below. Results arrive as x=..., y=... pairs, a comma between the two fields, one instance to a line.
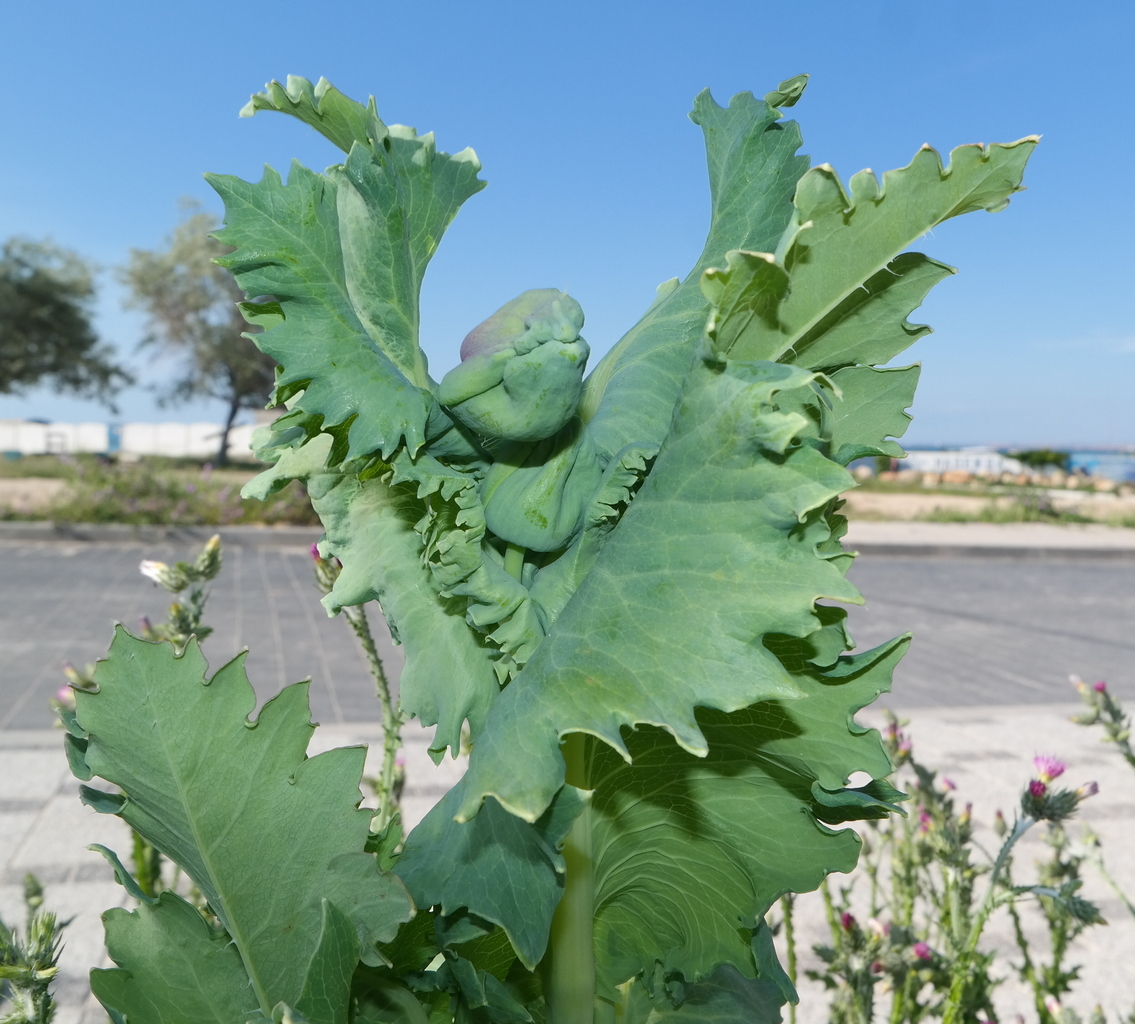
x=191, y=305
x=46, y=295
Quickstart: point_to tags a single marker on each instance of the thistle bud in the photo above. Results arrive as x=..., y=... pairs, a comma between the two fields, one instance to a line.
x=168, y=577
x=922, y=951
x=999, y=825
x=209, y=561
x=1087, y=790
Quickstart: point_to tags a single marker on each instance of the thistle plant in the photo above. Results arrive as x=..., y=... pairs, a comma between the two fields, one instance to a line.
x=1104, y=708
x=185, y=614
x=917, y=952
x=29, y=962
x=616, y=590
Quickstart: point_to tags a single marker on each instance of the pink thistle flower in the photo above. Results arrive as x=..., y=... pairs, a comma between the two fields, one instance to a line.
x=924, y=820
x=847, y=921
x=904, y=745
x=922, y=951
x=1100, y=687
x=1048, y=767
x=1037, y=788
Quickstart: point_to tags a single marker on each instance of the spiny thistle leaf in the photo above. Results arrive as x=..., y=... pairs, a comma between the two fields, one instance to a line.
x=239, y=806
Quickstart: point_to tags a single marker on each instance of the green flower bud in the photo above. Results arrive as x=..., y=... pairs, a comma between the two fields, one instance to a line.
x=536, y=496
x=521, y=372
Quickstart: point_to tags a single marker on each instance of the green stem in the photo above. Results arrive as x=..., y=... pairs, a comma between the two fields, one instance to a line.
x=392, y=719
x=570, y=980
x=1027, y=970
x=786, y=905
x=952, y=1008
x=514, y=561
x=1097, y=859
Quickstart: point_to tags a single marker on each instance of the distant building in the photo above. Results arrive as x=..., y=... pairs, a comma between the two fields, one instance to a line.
x=176, y=440
x=973, y=460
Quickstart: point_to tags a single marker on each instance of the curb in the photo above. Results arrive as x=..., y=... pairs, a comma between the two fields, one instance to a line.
x=93, y=533
x=1016, y=552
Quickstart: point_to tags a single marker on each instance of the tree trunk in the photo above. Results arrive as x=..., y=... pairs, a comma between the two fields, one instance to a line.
x=223, y=453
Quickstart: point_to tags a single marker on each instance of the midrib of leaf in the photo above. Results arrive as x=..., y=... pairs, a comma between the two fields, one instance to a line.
x=230, y=919
x=413, y=280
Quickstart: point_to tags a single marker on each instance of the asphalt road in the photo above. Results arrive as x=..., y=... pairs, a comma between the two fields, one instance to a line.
x=988, y=631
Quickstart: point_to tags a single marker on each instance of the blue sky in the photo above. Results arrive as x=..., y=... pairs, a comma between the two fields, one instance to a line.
x=596, y=177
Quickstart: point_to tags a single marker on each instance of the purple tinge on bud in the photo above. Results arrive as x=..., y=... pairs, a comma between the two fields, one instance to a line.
x=948, y=784
x=1037, y=788
x=922, y=951
x=508, y=323
x=64, y=695
x=315, y=556
x=1087, y=790
x=1100, y=687
x=877, y=967
x=847, y=921
x=1048, y=767
x=880, y=929
x=924, y=820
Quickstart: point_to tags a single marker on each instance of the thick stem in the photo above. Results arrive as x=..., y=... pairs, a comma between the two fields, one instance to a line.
x=570, y=980
x=392, y=719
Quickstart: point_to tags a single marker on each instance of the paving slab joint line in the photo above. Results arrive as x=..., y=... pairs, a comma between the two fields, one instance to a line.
x=231, y=536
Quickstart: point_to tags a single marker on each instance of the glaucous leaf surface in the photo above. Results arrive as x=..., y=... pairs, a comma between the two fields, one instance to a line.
x=237, y=805
x=716, y=550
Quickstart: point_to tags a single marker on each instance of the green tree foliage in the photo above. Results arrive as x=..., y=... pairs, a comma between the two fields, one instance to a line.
x=46, y=299
x=621, y=600
x=191, y=307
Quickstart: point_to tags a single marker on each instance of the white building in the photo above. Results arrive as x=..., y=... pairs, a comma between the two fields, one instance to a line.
x=973, y=460
x=176, y=440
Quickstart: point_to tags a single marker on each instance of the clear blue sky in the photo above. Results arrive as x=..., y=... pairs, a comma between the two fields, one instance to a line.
x=597, y=180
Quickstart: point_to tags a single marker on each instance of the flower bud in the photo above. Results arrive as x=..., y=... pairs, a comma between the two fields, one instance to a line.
x=1037, y=788
x=999, y=825
x=847, y=921
x=169, y=577
x=922, y=951
x=521, y=371
x=1100, y=687
x=1087, y=790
